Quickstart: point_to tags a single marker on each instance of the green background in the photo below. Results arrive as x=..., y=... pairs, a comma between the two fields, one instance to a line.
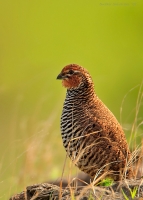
x=37, y=39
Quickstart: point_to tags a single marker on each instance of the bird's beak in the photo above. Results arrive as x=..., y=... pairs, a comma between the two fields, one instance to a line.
x=60, y=76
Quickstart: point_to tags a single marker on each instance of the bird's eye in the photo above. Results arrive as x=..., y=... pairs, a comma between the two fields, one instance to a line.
x=71, y=71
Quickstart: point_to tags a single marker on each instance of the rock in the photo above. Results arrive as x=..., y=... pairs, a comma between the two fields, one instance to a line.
x=118, y=190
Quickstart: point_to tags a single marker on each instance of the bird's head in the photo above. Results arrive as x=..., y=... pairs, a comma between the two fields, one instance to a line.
x=73, y=76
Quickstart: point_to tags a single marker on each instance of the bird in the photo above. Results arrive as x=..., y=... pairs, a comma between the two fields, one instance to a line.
x=93, y=138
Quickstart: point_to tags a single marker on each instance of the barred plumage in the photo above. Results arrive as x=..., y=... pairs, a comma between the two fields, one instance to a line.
x=92, y=136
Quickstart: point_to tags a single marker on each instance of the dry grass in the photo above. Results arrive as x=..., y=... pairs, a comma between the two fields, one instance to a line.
x=29, y=159
x=36, y=157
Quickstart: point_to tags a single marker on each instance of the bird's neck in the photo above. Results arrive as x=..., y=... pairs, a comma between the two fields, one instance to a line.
x=83, y=92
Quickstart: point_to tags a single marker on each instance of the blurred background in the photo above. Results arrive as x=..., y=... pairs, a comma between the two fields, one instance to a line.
x=37, y=39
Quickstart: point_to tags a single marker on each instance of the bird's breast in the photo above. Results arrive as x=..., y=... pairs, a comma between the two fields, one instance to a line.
x=76, y=122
